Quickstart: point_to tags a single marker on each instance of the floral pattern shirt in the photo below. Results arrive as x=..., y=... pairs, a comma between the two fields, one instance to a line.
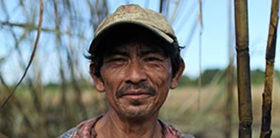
x=84, y=130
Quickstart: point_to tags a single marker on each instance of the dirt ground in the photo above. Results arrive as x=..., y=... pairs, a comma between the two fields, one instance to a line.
x=201, y=112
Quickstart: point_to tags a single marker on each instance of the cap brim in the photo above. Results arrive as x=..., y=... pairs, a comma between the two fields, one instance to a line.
x=106, y=31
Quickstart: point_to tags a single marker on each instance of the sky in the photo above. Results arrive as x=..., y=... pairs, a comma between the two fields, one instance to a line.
x=211, y=41
x=206, y=47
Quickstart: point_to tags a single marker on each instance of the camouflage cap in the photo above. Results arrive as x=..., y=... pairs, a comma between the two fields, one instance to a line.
x=134, y=14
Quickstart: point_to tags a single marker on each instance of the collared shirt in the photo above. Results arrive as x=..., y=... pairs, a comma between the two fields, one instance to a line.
x=85, y=130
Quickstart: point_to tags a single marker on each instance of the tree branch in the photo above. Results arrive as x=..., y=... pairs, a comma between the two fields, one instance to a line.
x=31, y=57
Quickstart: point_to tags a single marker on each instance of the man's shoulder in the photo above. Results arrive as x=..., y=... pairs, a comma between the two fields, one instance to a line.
x=82, y=128
x=171, y=132
x=68, y=134
x=175, y=132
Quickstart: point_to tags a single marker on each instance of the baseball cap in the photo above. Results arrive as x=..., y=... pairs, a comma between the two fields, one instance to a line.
x=134, y=14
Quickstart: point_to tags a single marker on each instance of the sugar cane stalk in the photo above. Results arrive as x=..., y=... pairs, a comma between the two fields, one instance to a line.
x=269, y=69
x=243, y=69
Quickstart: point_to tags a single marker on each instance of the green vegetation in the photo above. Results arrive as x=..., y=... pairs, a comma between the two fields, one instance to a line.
x=210, y=75
x=257, y=77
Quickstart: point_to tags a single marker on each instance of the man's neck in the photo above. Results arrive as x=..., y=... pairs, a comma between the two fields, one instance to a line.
x=113, y=126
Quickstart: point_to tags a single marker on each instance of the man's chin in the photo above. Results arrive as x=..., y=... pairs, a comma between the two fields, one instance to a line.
x=137, y=111
x=135, y=102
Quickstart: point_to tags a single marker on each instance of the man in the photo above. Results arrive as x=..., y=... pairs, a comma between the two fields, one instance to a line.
x=135, y=60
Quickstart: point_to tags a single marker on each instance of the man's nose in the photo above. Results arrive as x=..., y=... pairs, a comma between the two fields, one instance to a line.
x=136, y=72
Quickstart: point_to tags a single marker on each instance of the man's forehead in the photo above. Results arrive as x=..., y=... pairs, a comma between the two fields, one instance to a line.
x=139, y=46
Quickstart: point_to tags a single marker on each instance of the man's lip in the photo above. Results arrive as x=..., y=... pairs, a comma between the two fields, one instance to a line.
x=136, y=94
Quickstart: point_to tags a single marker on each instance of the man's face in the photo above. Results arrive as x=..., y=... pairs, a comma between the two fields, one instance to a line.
x=136, y=78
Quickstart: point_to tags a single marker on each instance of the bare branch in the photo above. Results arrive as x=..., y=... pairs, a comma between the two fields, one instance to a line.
x=31, y=58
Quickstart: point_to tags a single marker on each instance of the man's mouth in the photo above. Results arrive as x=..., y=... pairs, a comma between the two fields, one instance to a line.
x=136, y=91
x=134, y=95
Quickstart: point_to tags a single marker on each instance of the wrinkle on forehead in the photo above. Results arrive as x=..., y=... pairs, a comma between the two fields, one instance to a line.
x=141, y=48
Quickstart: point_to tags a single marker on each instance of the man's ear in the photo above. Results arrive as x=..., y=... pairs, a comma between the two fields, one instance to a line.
x=176, y=78
x=97, y=80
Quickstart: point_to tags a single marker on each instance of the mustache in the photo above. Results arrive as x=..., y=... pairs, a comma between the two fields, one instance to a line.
x=141, y=85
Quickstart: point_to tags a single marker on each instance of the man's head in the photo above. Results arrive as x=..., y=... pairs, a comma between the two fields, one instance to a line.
x=135, y=59
x=134, y=15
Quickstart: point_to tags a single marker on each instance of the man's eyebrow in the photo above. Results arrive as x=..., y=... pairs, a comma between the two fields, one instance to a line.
x=146, y=52
x=152, y=51
x=116, y=52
